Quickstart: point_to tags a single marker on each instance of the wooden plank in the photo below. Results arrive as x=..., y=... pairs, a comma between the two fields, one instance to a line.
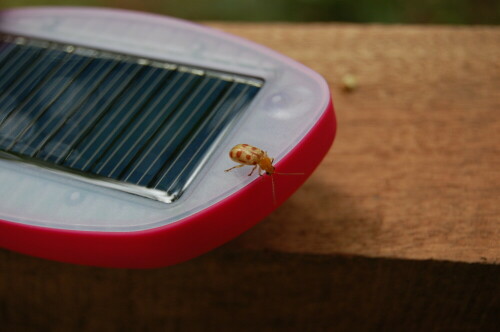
x=231, y=290
x=415, y=169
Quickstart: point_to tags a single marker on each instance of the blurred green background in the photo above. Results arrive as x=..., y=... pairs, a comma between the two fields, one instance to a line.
x=366, y=11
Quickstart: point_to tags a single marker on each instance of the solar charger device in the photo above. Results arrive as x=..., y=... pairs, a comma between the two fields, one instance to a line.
x=116, y=128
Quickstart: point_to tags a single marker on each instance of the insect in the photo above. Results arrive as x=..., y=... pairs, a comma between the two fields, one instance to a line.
x=247, y=155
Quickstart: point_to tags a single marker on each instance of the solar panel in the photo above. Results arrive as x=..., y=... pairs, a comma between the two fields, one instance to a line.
x=144, y=125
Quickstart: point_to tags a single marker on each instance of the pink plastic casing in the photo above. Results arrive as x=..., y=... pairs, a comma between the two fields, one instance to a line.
x=183, y=239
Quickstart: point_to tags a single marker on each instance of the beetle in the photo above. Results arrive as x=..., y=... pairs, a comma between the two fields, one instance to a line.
x=245, y=154
x=248, y=155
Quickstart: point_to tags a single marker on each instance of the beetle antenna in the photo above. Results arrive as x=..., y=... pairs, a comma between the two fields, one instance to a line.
x=274, y=191
x=289, y=173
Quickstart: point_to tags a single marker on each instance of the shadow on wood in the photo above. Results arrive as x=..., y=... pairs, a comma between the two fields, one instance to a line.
x=331, y=223
x=229, y=290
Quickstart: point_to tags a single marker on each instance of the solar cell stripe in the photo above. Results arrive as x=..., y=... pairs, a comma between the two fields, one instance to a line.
x=90, y=113
x=102, y=133
x=28, y=81
x=194, y=149
x=22, y=119
x=126, y=150
x=176, y=177
x=15, y=63
x=125, y=127
x=183, y=132
x=160, y=143
x=52, y=119
x=6, y=50
x=173, y=134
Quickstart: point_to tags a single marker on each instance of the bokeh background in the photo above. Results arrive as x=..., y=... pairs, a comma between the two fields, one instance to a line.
x=359, y=11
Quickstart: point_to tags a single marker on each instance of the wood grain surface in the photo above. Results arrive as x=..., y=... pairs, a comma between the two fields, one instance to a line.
x=245, y=290
x=415, y=168
x=412, y=183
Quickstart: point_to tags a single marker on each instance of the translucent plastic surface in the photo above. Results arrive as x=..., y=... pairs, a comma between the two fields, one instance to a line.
x=285, y=108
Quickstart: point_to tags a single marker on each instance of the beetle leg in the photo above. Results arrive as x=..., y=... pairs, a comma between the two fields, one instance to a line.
x=237, y=166
x=253, y=169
